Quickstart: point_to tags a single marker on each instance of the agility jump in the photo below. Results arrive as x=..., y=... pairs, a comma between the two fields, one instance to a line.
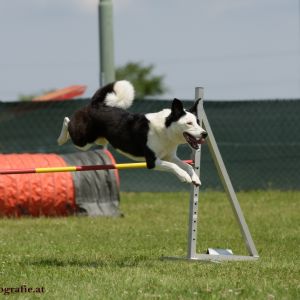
x=188, y=173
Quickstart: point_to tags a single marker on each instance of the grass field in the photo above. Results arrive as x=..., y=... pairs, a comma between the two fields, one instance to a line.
x=119, y=258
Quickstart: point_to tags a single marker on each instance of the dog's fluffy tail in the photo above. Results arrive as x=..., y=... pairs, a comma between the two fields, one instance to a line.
x=117, y=94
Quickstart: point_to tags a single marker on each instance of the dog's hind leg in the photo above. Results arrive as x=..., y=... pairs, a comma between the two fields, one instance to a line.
x=64, y=134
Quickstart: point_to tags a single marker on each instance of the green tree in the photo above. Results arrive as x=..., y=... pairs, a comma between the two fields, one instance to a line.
x=26, y=97
x=142, y=78
x=29, y=97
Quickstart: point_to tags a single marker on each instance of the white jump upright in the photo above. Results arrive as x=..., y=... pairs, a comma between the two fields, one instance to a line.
x=219, y=254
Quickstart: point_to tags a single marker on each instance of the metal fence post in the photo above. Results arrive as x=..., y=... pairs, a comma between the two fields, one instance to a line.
x=106, y=42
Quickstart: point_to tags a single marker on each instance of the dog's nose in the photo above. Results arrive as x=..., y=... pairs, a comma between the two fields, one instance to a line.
x=204, y=134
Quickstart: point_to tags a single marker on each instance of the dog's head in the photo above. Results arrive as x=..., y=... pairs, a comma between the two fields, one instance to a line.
x=184, y=124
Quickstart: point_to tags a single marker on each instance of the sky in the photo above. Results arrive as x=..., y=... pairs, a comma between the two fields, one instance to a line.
x=235, y=49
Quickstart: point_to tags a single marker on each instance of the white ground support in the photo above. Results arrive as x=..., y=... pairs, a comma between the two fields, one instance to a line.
x=192, y=254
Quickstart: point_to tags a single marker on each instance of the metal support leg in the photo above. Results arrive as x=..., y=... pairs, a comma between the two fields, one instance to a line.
x=226, y=182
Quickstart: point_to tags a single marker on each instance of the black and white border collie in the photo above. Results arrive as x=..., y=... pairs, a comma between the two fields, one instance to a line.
x=152, y=137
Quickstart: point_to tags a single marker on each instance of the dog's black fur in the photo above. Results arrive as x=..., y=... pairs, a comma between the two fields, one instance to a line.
x=124, y=130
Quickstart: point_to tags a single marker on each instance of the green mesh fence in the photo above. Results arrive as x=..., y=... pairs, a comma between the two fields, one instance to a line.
x=259, y=141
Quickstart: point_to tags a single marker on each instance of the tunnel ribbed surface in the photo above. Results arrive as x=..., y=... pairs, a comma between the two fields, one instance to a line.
x=50, y=194
x=97, y=192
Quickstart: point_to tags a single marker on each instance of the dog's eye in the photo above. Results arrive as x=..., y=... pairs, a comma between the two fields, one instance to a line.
x=189, y=123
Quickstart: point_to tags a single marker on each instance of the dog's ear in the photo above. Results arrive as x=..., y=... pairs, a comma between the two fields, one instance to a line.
x=193, y=109
x=176, y=112
x=177, y=107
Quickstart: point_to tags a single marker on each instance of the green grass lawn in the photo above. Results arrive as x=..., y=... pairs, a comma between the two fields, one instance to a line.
x=119, y=258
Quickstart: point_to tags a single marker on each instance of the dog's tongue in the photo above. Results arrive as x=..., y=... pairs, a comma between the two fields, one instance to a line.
x=201, y=141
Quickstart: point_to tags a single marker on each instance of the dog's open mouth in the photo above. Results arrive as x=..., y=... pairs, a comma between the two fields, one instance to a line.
x=192, y=141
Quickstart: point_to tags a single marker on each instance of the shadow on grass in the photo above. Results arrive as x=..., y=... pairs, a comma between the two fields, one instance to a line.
x=122, y=262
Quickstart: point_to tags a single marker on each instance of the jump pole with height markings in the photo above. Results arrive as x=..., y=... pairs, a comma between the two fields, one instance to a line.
x=123, y=166
x=215, y=255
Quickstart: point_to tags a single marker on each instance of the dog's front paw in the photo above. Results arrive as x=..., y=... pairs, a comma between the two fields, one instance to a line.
x=184, y=176
x=195, y=179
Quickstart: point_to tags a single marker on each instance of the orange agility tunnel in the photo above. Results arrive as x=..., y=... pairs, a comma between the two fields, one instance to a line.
x=58, y=193
x=34, y=195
